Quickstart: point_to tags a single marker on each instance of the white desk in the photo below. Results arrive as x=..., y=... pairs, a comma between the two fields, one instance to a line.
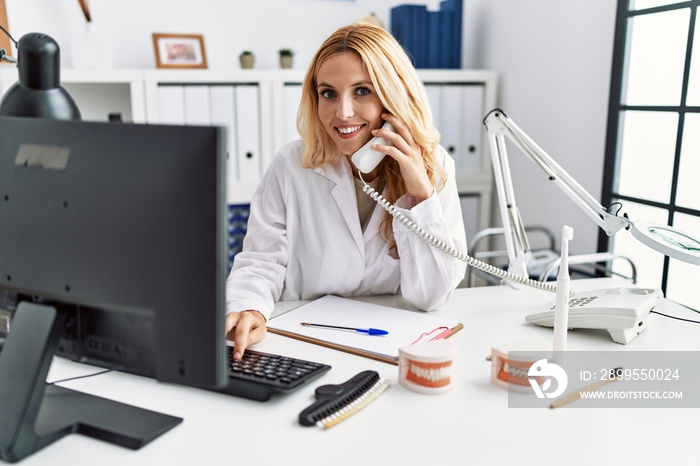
x=470, y=425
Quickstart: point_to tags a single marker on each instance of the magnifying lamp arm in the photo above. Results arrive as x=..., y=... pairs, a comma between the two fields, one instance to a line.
x=499, y=126
x=608, y=222
x=665, y=239
x=517, y=246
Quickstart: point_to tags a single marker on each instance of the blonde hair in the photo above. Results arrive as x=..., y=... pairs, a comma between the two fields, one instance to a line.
x=399, y=89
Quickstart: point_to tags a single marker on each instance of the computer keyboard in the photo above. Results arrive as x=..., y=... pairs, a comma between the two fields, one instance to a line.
x=259, y=375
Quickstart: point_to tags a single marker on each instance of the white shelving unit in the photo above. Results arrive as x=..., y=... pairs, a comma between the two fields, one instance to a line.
x=98, y=92
x=259, y=109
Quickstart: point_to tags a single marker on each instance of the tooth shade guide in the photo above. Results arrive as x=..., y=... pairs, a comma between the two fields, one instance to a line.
x=358, y=404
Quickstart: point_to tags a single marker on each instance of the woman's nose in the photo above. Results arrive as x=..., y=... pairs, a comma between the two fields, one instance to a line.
x=345, y=108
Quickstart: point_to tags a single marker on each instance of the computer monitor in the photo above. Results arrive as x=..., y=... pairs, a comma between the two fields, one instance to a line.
x=112, y=252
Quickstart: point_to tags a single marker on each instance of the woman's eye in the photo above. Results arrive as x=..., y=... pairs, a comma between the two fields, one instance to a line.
x=363, y=91
x=327, y=94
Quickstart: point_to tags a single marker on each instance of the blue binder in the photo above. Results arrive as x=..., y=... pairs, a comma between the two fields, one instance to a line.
x=433, y=39
x=408, y=25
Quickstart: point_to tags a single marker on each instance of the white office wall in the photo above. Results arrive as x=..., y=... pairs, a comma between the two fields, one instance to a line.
x=229, y=26
x=553, y=58
x=554, y=62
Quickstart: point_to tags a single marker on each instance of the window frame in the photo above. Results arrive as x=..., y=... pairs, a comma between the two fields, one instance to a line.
x=616, y=108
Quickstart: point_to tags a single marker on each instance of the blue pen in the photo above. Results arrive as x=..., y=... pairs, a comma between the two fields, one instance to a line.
x=368, y=331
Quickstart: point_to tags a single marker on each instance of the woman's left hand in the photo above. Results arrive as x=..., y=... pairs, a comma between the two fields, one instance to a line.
x=408, y=155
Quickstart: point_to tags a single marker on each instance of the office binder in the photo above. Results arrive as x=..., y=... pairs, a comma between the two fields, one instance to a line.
x=197, y=105
x=248, y=132
x=446, y=36
x=452, y=129
x=434, y=92
x=223, y=113
x=405, y=327
x=292, y=99
x=454, y=37
x=471, y=128
x=433, y=40
x=171, y=104
x=409, y=25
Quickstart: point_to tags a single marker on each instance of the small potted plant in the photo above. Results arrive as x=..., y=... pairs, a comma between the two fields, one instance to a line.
x=247, y=59
x=286, y=58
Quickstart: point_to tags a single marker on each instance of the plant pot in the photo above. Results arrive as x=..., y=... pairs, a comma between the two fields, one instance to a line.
x=286, y=61
x=247, y=61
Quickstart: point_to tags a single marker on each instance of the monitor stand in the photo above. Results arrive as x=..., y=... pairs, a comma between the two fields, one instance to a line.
x=34, y=414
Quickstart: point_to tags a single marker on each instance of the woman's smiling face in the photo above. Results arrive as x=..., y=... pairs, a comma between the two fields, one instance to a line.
x=348, y=106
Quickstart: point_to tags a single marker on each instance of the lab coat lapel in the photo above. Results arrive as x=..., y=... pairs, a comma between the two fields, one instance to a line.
x=375, y=220
x=344, y=196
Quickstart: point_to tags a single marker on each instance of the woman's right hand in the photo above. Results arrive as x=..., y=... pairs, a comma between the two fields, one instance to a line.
x=248, y=328
x=408, y=155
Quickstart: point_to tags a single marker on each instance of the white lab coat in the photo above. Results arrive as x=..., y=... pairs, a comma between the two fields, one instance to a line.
x=304, y=240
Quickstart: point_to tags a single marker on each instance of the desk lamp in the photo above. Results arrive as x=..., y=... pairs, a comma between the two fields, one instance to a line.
x=38, y=93
x=662, y=238
x=621, y=311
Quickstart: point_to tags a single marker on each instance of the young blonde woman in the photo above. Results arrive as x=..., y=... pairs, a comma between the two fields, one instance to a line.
x=312, y=230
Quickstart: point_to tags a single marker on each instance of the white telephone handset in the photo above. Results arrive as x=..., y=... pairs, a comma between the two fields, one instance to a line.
x=366, y=159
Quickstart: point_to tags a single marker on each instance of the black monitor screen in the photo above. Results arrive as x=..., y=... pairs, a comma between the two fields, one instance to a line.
x=120, y=228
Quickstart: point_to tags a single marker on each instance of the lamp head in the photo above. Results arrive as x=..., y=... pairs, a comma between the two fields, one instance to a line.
x=39, y=93
x=669, y=241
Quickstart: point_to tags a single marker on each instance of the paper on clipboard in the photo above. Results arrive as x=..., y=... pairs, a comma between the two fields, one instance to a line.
x=404, y=327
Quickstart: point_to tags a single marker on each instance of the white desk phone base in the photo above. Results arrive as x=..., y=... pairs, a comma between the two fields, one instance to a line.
x=622, y=311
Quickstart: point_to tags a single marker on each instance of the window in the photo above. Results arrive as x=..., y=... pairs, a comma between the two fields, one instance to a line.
x=653, y=144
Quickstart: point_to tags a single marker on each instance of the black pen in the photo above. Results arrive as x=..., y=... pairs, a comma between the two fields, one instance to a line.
x=368, y=331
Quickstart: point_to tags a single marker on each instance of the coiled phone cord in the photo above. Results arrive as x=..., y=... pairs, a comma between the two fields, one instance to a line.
x=435, y=242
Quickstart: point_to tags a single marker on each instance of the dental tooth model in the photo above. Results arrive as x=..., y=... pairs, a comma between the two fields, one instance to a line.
x=426, y=367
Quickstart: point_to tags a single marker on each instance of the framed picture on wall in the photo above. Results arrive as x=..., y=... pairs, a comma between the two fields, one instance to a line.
x=179, y=50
